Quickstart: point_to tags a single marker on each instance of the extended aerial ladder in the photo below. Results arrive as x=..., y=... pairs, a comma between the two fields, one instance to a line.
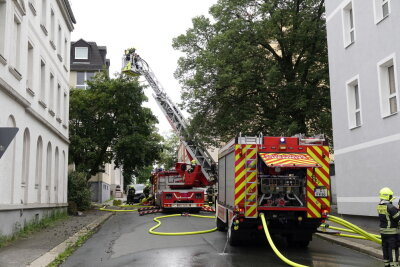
x=134, y=65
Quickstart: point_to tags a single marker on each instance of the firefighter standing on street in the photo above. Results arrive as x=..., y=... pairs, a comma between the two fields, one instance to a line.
x=389, y=217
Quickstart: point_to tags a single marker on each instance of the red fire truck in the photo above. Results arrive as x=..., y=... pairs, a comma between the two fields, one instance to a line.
x=181, y=188
x=286, y=178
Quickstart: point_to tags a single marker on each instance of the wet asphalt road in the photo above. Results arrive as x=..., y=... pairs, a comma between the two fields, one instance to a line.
x=124, y=241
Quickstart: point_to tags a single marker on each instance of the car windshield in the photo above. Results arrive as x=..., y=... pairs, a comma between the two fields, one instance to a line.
x=138, y=186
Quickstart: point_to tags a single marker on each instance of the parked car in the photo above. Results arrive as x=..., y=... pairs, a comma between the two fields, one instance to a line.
x=135, y=193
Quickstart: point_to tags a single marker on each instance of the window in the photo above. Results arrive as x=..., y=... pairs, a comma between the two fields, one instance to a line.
x=59, y=37
x=66, y=49
x=82, y=77
x=42, y=81
x=51, y=102
x=59, y=101
x=388, y=86
x=348, y=24
x=56, y=175
x=3, y=11
x=16, y=44
x=52, y=28
x=29, y=81
x=382, y=9
x=354, y=103
x=43, y=17
x=25, y=166
x=48, y=171
x=81, y=52
x=38, y=172
x=65, y=109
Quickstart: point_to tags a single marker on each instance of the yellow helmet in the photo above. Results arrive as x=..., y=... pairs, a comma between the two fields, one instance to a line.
x=386, y=194
x=194, y=161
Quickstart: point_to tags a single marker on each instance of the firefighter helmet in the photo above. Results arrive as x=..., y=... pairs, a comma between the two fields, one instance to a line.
x=386, y=194
x=194, y=162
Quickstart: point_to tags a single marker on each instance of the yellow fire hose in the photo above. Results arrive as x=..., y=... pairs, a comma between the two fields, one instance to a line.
x=355, y=228
x=271, y=243
x=346, y=230
x=156, y=219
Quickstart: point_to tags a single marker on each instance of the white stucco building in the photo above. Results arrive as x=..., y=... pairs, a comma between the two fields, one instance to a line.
x=364, y=52
x=34, y=74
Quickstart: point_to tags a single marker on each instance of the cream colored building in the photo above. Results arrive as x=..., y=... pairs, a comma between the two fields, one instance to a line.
x=34, y=73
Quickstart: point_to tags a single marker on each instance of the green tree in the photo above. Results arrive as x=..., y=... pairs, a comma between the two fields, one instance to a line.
x=169, y=155
x=108, y=123
x=258, y=66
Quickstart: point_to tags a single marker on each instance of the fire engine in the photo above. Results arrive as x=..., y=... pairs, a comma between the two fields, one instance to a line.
x=184, y=186
x=286, y=178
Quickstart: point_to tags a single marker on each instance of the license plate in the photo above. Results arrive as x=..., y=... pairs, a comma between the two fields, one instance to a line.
x=321, y=191
x=181, y=205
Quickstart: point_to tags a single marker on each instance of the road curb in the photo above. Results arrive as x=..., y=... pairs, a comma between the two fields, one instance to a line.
x=377, y=253
x=52, y=254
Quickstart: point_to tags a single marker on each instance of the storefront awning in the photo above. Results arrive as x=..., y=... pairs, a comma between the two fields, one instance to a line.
x=288, y=160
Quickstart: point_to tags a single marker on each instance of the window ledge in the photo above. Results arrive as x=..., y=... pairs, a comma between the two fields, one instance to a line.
x=65, y=68
x=52, y=45
x=65, y=126
x=389, y=115
x=52, y=112
x=3, y=60
x=355, y=127
x=42, y=104
x=33, y=9
x=30, y=91
x=44, y=29
x=15, y=73
x=60, y=57
x=349, y=44
x=381, y=19
x=58, y=119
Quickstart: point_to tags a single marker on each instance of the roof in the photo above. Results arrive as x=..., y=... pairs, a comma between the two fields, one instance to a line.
x=96, y=57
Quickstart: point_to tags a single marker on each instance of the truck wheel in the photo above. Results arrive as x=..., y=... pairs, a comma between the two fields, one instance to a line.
x=221, y=226
x=233, y=237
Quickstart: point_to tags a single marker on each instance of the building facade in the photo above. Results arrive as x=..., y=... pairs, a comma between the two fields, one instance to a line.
x=87, y=58
x=34, y=73
x=364, y=52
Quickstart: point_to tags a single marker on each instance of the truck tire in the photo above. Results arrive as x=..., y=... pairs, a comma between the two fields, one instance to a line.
x=233, y=237
x=221, y=226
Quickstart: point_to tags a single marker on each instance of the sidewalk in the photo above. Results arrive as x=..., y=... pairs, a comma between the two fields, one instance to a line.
x=369, y=224
x=41, y=247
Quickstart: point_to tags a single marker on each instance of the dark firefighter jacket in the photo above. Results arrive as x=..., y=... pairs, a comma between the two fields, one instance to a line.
x=389, y=217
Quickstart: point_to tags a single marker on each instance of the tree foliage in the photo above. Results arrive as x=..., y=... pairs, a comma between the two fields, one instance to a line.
x=108, y=123
x=169, y=155
x=257, y=66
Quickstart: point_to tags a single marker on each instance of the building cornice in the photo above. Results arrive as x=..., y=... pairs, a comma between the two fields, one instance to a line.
x=10, y=207
x=27, y=105
x=67, y=13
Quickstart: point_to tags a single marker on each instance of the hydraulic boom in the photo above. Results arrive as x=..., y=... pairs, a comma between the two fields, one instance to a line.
x=135, y=66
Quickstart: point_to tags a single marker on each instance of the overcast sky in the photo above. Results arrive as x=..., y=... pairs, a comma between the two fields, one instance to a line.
x=147, y=25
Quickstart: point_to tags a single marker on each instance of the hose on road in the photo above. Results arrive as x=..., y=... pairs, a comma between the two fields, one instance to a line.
x=355, y=229
x=271, y=243
x=157, y=220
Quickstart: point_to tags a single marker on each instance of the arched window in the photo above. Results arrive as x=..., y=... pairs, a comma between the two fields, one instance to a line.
x=48, y=173
x=25, y=166
x=64, y=180
x=7, y=169
x=56, y=175
x=39, y=172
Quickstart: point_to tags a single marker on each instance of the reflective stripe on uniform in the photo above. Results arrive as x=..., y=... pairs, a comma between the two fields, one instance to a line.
x=396, y=215
x=388, y=231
